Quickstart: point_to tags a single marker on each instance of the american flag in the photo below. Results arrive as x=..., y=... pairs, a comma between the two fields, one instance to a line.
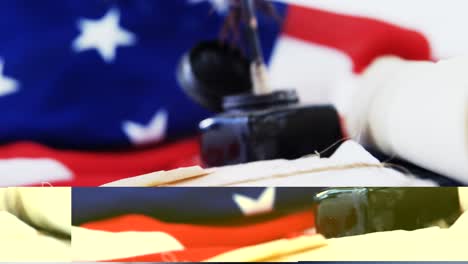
x=88, y=92
x=88, y=95
x=204, y=221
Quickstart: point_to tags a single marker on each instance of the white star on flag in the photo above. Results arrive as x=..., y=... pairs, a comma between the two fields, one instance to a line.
x=263, y=204
x=7, y=85
x=153, y=132
x=104, y=35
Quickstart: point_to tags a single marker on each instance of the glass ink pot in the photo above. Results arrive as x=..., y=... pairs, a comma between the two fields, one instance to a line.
x=249, y=126
x=253, y=121
x=263, y=127
x=343, y=212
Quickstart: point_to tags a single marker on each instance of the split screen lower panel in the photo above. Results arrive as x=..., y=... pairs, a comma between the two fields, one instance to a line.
x=232, y=224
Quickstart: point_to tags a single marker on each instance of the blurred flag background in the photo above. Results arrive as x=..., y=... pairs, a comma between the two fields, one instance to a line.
x=88, y=92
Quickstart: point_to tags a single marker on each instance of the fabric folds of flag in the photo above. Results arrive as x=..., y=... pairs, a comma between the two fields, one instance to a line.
x=89, y=95
x=204, y=222
x=107, y=104
x=32, y=164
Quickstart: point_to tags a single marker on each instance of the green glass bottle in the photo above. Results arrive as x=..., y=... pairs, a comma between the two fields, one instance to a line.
x=353, y=211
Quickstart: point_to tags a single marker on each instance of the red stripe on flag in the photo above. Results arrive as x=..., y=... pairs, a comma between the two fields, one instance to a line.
x=205, y=241
x=97, y=168
x=202, y=236
x=363, y=39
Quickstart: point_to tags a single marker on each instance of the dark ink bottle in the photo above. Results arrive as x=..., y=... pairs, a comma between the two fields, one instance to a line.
x=253, y=121
x=343, y=212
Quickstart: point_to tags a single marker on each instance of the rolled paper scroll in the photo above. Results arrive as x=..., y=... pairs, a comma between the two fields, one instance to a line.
x=271, y=250
x=350, y=165
x=96, y=245
x=11, y=226
x=427, y=244
x=418, y=111
x=20, y=242
x=159, y=178
x=48, y=209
